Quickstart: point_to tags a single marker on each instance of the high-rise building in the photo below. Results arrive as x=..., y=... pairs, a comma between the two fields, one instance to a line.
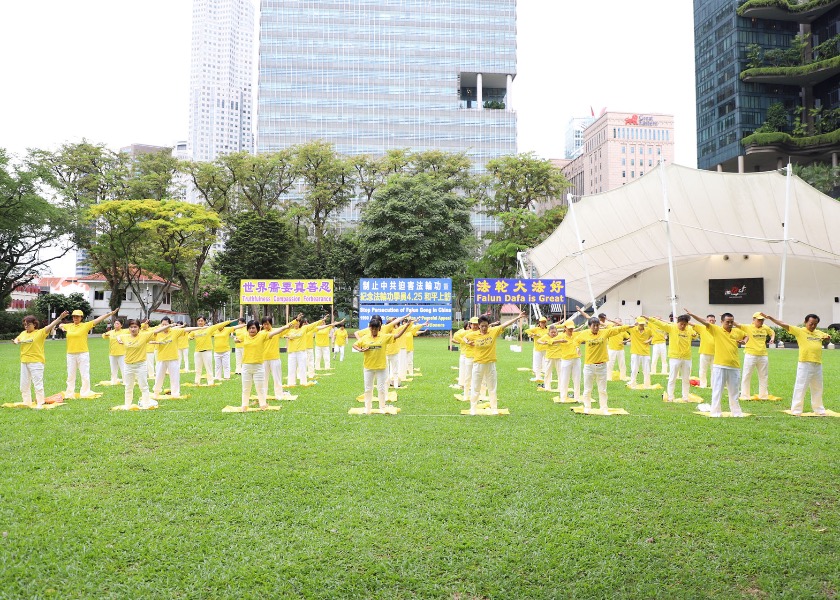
x=750, y=56
x=574, y=135
x=371, y=75
x=221, y=74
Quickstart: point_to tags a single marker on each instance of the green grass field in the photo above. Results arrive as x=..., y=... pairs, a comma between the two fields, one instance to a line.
x=189, y=502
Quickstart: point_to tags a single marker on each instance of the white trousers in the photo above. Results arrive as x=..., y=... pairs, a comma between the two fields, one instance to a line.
x=537, y=363
x=637, y=361
x=240, y=352
x=173, y=368
x=80, y=361
x=595, y=375
x=484, y=374
x=322, y=357
x=310, y=362
x=117, y=367
x=704, y=367
x=340, y=351
x=660, y=354
x=150, y=364
x=679, y=368
x=203, y=362
x=32, y=375
x=221, y=362
x=409, y=362
x=570, y=369
x=403, y=363
x=184, y=354
x=274, y=368
x=253, y=374
x=380, y=377
x=394, y=369
x=729, y=378
x=468, y=371
x=462, y=370
x=297, y=368
x=808, y=376
x=136, y=373
x=552, y=365
x=617, y=357
x=754, y=363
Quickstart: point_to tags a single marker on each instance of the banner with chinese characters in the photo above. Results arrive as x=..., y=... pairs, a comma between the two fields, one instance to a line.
x=427, y=299
x=520, y=291
x=439, y=316
x=286, y=291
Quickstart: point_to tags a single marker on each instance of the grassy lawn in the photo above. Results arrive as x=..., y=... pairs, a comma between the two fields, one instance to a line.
x=189, y=502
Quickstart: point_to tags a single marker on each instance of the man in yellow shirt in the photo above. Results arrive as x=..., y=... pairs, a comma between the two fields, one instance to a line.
x=615, y=353
x=726, y=365
x=78, y=356
x=809, y=375
x=374, y=344
x=537, y=332
x=595, y=361
x=483, y=342
x=168, y=357
x=658, y=360
x=340, y=341
x=707, y=350
x=640, y=339
x=680, y=335
x=31, y=341
x=755, y=355
x=553, y=356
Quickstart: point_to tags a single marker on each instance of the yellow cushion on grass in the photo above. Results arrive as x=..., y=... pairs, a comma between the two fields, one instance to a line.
x=597, y=411
x=564, y=400
x=769, y=398
x=543, y=389
x=388, y=410
x=485, y=412
x=523, y=369
x=108, y=383
x=34, y=405
x=828, y=413
x=641, y=386
x=392, y=397
x=132, y=407
x=89, y=397
x=239, y=409
x=692, y=399
x=169, y=397
x=722, y=415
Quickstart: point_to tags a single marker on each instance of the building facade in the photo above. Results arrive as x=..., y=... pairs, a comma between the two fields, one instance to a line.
x=574, y=136
x=221, y=73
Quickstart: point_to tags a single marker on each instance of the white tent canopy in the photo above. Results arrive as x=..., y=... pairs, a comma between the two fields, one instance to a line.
x=623, y=231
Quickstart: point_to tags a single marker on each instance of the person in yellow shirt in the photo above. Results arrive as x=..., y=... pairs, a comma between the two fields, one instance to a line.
x=658, y=360
x=31, y=341
x=78, y=356
x=726, y=365
x=537, y=332
x=296, y=335
x=755, y=356
x=374, y=345
x=221, y=349
x=680, y=335
x=135, y=361
x=407, y=362
x=184, y=349
x=392, y=352
x=322, y=345
x=615, y=354
x=640, y=339
x=809, y=373
x=253, y=368
x=467, y=354
x=569, y=362
x=116, y=352
x=483, y=342
x=340, y=341
x=707, y=351
x=553, y=356
x=595, y=361
x=238, y=338
x=150, y=353
x=203, y=356
x=272, y=365
x=168, y=356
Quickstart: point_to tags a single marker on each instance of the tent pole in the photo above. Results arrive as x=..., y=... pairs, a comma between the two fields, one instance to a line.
x=784, y=241
x=673, y=297
x=571, y=200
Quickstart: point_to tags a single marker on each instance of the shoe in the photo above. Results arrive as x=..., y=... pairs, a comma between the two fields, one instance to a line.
x=796, y=413
x=821, y=412
x=587, y=410
x=149, y=404
x=715, y=415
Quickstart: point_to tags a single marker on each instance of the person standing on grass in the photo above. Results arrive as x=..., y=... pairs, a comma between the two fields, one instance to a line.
x=203, y=357
x=340, y=341
x=536, y=333
x=640, y=342
x=707, y=351
x=809, y=373
x=570, y=361
x=135, y=361
x=553, y=355
x=150, y=353
x=238, y=338
x=680, y=335
x=221, y=349
x=467, y=355
x=116, y=352
x=755, y=356
x=253, y=367
x=726, y=365
x=299, y=330
x=32, y=358
x=483, y=342
x=408, y=365
x=272, y=365
x=658, y=360
x=184, y=348
x=595, y=362
x=168, y=356
x=78, y=356
x=322, y=345
x=615, y=353
x=374, y=344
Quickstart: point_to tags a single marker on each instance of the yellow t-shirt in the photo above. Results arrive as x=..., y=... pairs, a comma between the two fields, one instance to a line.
x=183, y=341
x=679, y=342
x=254, y=348
x=271, y=351
x=77, y=337
x=322, y=337
x=204, y=337
x=149, y=348
x=726, y=346
x=309, y=338
x=340, y=336
x=616, y=342
x=484, y=344
x=458, y=338
x=536, y=333
x=32, y=346
x=221, y=340
x=167, y=343
x=596, y=345
x=114, y=346
x=657, y=335
x=757, y=339
x=810, y=344
x=377, y=347
x=298, y=337
x=135, y=347
x=553, y=346
x=409, y=336
x=571, y=349
x=238, y=336
x=707, y=340
x=639, y=341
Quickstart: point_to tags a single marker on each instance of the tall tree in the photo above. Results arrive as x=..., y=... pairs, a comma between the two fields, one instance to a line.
x=153, y=175
x=523, y=181
x=342, y=263
x=261, y=180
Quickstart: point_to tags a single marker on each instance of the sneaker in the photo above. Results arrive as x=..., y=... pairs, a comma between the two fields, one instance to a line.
x=148, y=404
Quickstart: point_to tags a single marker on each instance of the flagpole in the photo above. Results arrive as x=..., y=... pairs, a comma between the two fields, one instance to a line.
x=673, y=297
x=571, y=200
x=785, y=226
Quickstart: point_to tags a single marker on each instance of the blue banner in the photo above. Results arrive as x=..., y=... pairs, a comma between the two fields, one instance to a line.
x=406, y=291
x=520, y=291
x=439, y=316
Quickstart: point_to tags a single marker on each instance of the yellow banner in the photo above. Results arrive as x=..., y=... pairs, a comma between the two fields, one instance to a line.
x=286, y=291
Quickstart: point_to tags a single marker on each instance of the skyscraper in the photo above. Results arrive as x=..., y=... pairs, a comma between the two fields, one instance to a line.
x=370, y=75
x=221, y=75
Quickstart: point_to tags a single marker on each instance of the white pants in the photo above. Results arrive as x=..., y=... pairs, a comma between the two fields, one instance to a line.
x=297, y=368
x=551, y=365
x=705, y=366
x=221, y=362
x=184, y=354
x=463, y=374
x=570, y=369
x=757, y=363
x=136, y=373
x=595, y=375
x=203, y=362
x=340, y=351
x=808, y=376
x=617, y=357
x=150, y=364
x=409, y=362
x=173, y=368
x=394, y=369
x=484, y=374
x=322, y=356
x=32, y=374
x=729, y=378
x=117, y=367
x=537, y=363
x=80, y=361
x=274, y=368
x=240, y=352
x=468, y=371
x=638, y=361
x=660, y=354
x=310, y=362
x=679, y=368
x=381, y=378
x=253, y=374
x=403, y=363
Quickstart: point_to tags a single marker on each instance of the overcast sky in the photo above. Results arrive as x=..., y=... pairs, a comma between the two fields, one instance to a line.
x=117, y=71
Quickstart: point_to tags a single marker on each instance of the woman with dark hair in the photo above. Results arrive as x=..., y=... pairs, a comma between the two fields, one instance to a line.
x=272, y=365
x=253, y=370
x=168, y=357
x=136, y=369
x=374, y=345
x=116, y=352
x=31, y=342
x=78, y=356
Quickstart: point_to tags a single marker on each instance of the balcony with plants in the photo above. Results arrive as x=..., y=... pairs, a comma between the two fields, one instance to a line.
x=798, y=11
x=785, y=66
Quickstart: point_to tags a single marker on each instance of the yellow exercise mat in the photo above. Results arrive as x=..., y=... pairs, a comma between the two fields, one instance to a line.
x=392, y=397
x=307, y=384
x=564, y=400
x=598, y=412
x=461, y=398
x=239, y=409
x=388, y=410
x=201, y=384
x=33, y=405
x=486, y=412
x=455, y=386
x=726, y=414
x=283, y=397
x=545, y=389
x=536, y=380
x=166, y=396
x=641, y=386
x=132, y=407
x=616, y=376
x=692, y=399
x=659, y=373
x=828, y=413
x=455, y=368
x=523, y=369
x=756, y=398
x=187, y=370
x=406, y=379
x=77, y=396
x=323, y=374
x=108, y=383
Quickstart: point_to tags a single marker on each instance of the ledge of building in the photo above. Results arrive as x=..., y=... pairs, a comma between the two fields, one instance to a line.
x=786, y=10
x=814, y=147
x=803, y=75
